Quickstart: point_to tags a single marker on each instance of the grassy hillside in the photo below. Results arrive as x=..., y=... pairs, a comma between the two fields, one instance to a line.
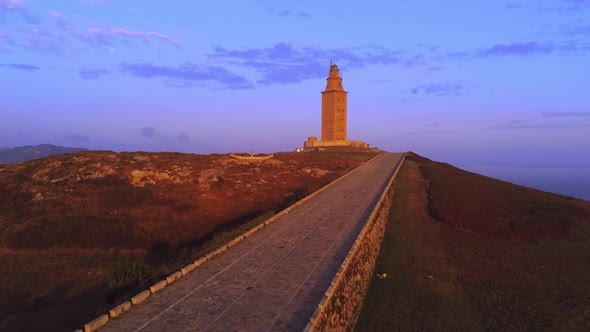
x=464, y=252
x=84, y=231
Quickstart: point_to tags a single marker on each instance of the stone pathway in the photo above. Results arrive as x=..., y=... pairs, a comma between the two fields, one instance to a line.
x=274, y=279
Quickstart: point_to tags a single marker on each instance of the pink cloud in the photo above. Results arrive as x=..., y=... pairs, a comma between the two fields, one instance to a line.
x=164, y=38
x=58, y=34
x=11, y=4
x=119, y=31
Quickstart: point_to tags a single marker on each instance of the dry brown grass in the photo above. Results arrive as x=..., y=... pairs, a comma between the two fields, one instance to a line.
x=83, y=232
x=448, y=270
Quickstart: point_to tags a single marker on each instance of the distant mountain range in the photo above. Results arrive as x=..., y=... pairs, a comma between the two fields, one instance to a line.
x=29, y=152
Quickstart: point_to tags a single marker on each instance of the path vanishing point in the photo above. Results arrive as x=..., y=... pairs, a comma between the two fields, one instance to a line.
x=274, y=279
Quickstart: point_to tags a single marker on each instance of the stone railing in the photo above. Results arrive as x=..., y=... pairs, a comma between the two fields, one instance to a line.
x=342, y=302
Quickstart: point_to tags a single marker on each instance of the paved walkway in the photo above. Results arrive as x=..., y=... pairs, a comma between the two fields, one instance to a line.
x=274, y=279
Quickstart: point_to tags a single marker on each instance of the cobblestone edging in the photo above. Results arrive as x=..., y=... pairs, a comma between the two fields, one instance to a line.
x=339, y=308
x=137, y=299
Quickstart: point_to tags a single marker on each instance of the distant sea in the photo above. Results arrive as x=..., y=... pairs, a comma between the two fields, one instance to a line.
x=579, y=188
x=568, y=183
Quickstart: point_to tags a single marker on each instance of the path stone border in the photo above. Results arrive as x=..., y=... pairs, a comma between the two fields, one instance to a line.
x=340, y=307
x=121, y=308
x=101, y=320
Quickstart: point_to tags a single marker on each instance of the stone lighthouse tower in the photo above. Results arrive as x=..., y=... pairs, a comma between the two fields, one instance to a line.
x=334, y=107
x=334, y=121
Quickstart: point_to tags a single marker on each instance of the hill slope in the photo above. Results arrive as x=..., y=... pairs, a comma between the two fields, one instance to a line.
x=464, y=252
x=83, y=231
x=30, y=152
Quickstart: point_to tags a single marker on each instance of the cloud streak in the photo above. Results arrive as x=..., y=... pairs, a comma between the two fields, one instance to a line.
x=558, y=120
x=441, y=89
x=20, y=66
x=516, y=49
x=92, y=74
x=57, y=33
x=283, y=63
x=11, y=5
x=524, y=49
x=16, y=7
x=116, y=35
x=188, y=74
x=289, y=13
x=576, y=29
x=565, y=114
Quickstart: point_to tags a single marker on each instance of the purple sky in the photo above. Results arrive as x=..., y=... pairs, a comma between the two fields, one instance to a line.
x=488, y=84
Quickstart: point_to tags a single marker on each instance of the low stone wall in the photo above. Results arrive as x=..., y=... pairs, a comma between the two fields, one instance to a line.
x=341, y=304
x=253, y=158
x=316, y=143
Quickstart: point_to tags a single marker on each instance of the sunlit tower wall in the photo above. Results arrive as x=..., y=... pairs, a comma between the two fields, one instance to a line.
x=334, y=107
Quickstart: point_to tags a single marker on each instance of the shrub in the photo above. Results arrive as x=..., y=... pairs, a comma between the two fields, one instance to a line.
x=126, y=275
